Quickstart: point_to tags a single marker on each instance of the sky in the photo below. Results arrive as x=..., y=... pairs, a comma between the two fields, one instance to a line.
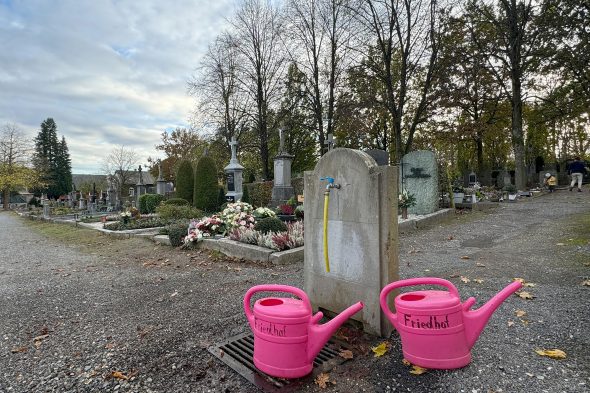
x=109, y=72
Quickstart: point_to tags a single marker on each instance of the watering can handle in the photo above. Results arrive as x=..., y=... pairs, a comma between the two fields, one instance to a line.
x=273, y=288
x=411, y=282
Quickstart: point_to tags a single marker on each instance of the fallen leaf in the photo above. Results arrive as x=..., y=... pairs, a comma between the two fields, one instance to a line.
x=525, y=295
x=119, y=375
x=510, y=323
x=109, y=346
x=465, y=257
x=524, y=322
x=464, y=279
x=529, y=284
x=478, y=264
x=174, y=294
x=551, y=353
x=520, y=313
x=321, y=380
x=417, y=370
x=478, y=280
x=560, y=244
x=406, y=362
x=346, y=354
x=381, y=349
x=450, y=237
x=19, y=350
x=586, y=283
x=41, y=337
x=520, y=280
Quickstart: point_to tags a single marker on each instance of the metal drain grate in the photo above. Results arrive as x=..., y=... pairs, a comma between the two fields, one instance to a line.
x=238, y=353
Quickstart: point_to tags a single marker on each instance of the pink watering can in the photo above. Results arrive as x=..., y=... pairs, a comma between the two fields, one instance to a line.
x=287, y=337
x=436, y=330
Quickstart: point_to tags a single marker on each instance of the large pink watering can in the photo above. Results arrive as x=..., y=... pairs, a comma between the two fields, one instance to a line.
x=287, y=337
x=436, y=330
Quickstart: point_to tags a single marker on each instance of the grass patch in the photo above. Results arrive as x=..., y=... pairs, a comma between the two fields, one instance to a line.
x=579, y=231
x=83, y=239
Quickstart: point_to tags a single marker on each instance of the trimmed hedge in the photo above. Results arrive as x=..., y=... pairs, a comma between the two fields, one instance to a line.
x=260, y=194
x=149, y=202
x=206, y=187
x=176, y=202
x=175, y=212
x=185, y=178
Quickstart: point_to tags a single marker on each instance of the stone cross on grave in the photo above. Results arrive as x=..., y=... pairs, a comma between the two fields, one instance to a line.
x=234, y=148
x=281, y=140
x=329, y=142
x=160, y=170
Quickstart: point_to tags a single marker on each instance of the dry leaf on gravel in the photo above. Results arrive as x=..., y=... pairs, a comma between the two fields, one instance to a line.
x=525, y=295
x=19, y=350
x=322, y=380
x=119, y=375
x=478, y=264
x=346, y=354
x=464, y=279
x=478, y=280
x=520, y=280
x=586, y=283
x=406, y=362
x=109, y=346
x=510, y=323
x=551, y=353
x=381, y=349
x=529, y=284
x=520, y=313
x=417, y=370
x=465, y=257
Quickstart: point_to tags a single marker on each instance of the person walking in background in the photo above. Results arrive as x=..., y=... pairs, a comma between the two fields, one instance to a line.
x=577, y=169
x=550, y=181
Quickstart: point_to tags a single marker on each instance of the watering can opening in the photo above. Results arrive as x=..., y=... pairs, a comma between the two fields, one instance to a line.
x=271, y=302
x=412, y=297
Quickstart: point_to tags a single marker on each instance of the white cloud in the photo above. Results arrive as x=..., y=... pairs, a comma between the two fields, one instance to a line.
x=108, y=72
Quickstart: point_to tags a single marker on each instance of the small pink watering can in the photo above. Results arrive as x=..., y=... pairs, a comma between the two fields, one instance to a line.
x=287, y=337
x=436, y=330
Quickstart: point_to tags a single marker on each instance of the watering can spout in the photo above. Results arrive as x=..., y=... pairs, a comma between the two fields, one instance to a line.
x=476, y=320
x=320, y=334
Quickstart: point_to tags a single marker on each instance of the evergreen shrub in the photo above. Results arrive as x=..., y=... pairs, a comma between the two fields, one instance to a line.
x=176, y=232
x=270, y=224
x=185, y=181
x=206, y=187
x=149, y=202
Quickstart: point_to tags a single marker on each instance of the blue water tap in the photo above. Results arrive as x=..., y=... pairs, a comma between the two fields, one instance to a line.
x=331, y=183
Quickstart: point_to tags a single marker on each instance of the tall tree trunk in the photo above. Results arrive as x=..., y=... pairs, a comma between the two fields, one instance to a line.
x=5, y=198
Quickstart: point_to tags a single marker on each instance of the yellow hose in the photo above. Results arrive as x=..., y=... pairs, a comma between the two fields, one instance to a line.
x=326, y=201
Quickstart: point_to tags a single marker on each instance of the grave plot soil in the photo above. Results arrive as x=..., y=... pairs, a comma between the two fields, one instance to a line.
x=81, y=312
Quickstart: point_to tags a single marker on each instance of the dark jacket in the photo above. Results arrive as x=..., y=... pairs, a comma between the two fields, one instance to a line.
x=577, y=167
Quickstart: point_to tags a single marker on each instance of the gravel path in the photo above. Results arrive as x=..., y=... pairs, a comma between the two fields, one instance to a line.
x=70, y=317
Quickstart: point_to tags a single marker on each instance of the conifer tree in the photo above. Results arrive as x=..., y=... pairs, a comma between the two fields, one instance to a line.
x=52, y=160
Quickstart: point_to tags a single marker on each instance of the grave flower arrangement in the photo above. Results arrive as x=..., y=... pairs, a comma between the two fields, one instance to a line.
x=291, y=238
x=238, y=215
x=263, y=212
x=286, y=210
x=125, y=217
x=208, y=226
x=405, y=199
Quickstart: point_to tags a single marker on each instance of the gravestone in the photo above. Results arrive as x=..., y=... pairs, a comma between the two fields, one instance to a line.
x=362, y=235
x=82, y=204
x=282, y=189
x=160, y=183
x=419, y=173
x=139, y=187
x=381, y=157
x=234, y=175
